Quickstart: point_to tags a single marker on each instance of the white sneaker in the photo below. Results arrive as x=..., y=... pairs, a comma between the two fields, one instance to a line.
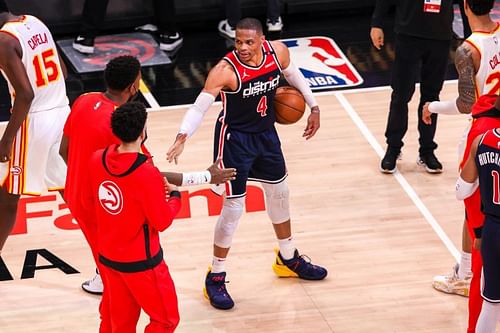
x=93, y=286
x=274, y=26
x=451, y=284
x=226, y=30
x=147, y=28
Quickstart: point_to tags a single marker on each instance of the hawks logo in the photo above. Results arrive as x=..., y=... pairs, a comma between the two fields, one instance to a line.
x=322, y=62
x=16, y=170
x=110, y=197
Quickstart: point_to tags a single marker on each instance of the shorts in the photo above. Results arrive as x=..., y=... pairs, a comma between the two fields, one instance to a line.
x=490, y=251
x=256, y=157
x=35, y=163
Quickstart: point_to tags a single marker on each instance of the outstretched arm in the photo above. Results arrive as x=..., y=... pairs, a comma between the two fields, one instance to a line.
x=219, y=77
x=12, y=66
x=296, y=79
x=213, y=175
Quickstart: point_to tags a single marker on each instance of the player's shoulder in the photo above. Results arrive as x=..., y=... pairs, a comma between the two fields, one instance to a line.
x=278, y=45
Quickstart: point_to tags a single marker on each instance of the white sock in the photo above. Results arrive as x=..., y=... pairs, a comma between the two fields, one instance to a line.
x=487, y=322
x=287, y=249
x=218, y=265
x=465, y=264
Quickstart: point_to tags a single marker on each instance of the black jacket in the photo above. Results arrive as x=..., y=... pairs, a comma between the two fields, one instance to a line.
x=413, y=21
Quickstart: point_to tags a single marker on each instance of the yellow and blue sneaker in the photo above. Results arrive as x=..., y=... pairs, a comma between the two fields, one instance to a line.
x=298, y=266
x=215, y=291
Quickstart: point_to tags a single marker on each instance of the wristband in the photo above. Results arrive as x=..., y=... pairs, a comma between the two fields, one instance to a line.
x=196, y=178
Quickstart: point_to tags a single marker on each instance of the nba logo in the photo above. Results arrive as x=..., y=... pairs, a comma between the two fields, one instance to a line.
x=322, y=63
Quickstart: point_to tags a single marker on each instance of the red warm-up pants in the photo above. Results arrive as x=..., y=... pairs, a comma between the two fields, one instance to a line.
x=152, y=290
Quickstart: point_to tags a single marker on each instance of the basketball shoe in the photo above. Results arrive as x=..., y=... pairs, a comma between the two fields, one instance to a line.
x=274, y=26
x=93, y=286
x=452, y=284
x=84, y=44
x=215, y=290
x=430, y=162
x=226, y=30
x=169, y=42
x=299, y=266
x=388, y=163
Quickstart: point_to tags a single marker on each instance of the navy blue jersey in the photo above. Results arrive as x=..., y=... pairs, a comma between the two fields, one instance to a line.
x=250, y=107
x=488, y=165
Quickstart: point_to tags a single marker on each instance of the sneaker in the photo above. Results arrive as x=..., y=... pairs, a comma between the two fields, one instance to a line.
x=226, y=30
x=215, y=291
x=274, y=26
x=147, y=28
x=84, y=44
x=451, y=284
x=431, y=163
x=299, y=266
x=170, y=42
x=93, y=286
x=388, y=163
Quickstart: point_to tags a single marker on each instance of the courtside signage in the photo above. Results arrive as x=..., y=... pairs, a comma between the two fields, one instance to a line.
x=322, y=63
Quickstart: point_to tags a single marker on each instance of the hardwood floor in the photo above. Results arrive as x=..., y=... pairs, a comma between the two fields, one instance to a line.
x=377, y=242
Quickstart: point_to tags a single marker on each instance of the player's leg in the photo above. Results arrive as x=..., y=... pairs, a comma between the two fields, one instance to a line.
x=8, y=212
x=270, y=169
x=403, y=78
x=434, y=65
x=154, y=291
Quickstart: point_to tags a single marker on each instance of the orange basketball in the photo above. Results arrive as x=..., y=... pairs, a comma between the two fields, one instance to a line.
x=289, y=105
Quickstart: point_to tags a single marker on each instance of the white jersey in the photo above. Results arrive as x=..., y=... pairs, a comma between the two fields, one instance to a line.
x=488, y=47
x=41, y=60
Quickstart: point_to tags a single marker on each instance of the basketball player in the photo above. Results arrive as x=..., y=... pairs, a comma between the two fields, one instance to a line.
x=476, y=77
x=29, y=160
x=88, y=129
x=482, y=164
x=246, y=139
x=127, y=195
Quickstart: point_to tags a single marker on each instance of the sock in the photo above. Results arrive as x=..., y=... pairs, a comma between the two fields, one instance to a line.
x=488, y=318
x=287, y=249
x=464, y=269
x=218, y=265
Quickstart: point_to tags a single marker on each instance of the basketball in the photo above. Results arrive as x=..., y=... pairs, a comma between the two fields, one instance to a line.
x=289, y=105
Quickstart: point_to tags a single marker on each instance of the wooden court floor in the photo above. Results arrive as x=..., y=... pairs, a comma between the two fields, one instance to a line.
x=382, y=237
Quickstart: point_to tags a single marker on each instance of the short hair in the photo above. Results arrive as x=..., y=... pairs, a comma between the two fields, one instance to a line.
x=121, y=72
x=128, y=121
x=249, y=23
x=3, y=6
x=480, y=7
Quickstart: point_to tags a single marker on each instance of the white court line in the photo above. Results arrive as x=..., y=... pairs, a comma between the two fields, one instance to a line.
x=399, y=177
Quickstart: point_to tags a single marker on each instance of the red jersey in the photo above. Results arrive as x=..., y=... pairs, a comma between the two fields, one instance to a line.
x=88, y=129
x=127, y=194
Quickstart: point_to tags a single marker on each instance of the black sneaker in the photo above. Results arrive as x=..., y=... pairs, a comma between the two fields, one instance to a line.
x=170, y=42
x=388, y=164
x=84, y=44
x=431, y=163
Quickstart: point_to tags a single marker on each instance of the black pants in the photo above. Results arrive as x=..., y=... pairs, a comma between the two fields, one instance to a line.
x=431, y=58
x=233, y=11
x=94, y=13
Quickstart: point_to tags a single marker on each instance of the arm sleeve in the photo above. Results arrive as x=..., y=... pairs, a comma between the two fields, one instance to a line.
x=194, y=115
x=295, y=78
x=159, y=211
x=381, y=12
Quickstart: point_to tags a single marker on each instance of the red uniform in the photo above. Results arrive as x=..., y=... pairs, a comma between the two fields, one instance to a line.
x=127, y=194
x=484, y=119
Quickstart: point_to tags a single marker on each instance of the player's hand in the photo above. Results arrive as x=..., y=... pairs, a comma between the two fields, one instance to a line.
x=169, y=187
x=220, y=176
x=426, y=114
x=377, y=36
x=5, y=151
x=477, y=244
x=312, y=124
x=176, y=149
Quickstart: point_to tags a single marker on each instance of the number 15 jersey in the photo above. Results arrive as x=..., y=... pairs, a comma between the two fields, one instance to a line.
x=250, y=107
x=41, y=60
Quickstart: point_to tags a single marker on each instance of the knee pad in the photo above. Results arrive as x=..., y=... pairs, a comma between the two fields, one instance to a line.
x=232, y=210
x=277, y=196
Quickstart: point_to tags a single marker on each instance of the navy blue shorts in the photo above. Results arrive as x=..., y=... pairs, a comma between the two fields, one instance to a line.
x=256, y=156
x=490, y=251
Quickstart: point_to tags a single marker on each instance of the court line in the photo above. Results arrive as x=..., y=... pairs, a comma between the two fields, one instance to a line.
x=399, y=177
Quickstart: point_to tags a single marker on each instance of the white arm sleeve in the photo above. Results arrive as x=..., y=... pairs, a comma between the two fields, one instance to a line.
x=463, y=190
x=444, y=107
x=194, y=115
x=295, y=78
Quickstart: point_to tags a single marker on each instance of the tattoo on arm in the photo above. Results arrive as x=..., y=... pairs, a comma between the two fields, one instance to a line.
x=466, y=79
